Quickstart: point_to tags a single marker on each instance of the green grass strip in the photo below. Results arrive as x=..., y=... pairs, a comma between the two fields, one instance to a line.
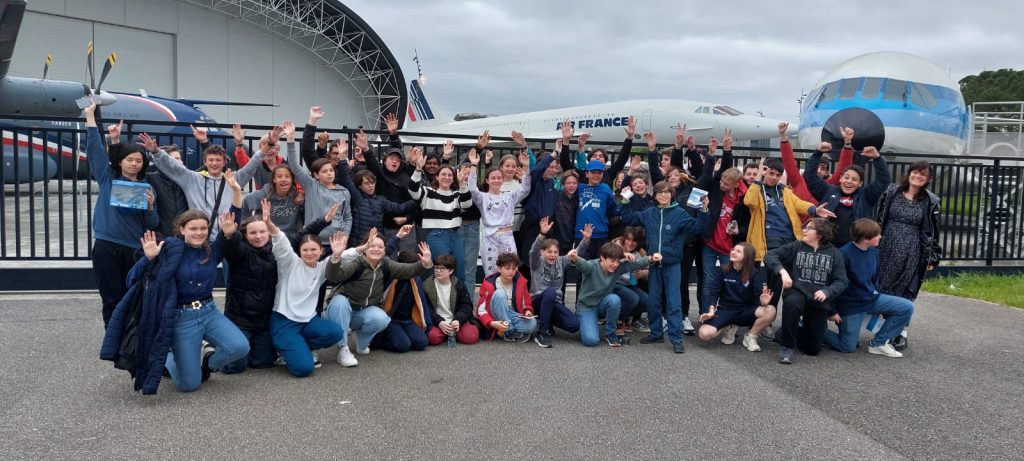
x=1000, y=289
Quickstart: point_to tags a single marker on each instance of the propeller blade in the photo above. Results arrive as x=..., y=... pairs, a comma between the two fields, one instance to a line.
x=88, y=64
x=111, y=60
x=46, y=66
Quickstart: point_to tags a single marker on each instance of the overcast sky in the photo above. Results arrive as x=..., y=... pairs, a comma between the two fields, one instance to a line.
x=509, y=56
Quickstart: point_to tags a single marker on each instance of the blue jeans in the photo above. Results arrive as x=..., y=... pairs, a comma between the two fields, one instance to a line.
x=446, y=242
x=403, y=336
x=664, y=281
x=897, y=312
x=193, y=326
x=295, y=340
x=709, y=257
x=502, y=310
x=469, y=235
x=554, y=313
x=609, y=308
x=261, y=353
x=367, y=322
x=634, y=301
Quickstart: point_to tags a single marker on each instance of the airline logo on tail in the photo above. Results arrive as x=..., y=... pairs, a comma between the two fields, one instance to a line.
x=419, y=110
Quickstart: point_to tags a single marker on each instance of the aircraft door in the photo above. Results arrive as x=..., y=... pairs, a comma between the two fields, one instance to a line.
x=645, y=122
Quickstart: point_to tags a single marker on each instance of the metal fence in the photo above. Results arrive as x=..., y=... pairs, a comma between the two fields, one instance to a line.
x=50, y=218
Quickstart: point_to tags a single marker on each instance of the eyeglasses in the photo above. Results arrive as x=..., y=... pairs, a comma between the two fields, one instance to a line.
x=808, y=227
x=441, y=269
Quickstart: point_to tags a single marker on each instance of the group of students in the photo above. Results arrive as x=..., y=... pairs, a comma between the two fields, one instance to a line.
x=338, y=240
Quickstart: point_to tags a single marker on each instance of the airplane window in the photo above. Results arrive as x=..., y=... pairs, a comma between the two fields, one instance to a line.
x=812, y=97
x=705, y=110
x=698, y=110
x=871, y=86
x=895, y=89
x=849, y=89
x=829, y=93
x=921, y=96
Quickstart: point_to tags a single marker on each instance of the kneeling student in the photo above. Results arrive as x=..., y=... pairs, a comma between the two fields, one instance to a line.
x=738, y=299
x=595, y=298
x=548, y=269
x=862, y=298
x=505, y=307
x=452, y=311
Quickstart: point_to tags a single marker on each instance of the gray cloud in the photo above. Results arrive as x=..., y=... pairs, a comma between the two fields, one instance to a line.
x=509, y=56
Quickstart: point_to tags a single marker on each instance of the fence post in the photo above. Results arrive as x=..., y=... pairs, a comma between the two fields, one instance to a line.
x=991, y=212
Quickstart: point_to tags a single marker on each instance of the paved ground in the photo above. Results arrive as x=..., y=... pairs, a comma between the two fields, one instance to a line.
x=956, y=395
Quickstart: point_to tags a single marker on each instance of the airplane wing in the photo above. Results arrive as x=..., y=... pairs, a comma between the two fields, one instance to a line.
x=11, y=12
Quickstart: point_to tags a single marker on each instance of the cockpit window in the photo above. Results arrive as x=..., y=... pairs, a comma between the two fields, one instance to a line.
x=895, y=89
x=921, y=96
x=829, y=92
x=871, y=87
x=849, y=89
x=726, y=110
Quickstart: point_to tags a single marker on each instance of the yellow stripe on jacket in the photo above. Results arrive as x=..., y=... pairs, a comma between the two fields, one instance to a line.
x=754, y=200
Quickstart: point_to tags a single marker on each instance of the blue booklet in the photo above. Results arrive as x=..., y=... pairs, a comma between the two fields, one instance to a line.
x=129, y=194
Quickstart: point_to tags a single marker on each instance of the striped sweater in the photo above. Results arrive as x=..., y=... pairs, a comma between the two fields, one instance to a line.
x=440, y=209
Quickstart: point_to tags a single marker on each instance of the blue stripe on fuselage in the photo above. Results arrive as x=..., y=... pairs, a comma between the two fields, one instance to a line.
x=953, y=122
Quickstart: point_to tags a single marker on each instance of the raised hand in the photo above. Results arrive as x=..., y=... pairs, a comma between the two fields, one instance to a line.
x=288, y=128
x=464, y=173
x=425, y=255
x=545, y=225
x=147, y=142
x=483, y=139
x=474, y=157
x=524, y=159
x=690, y=142
x=338, y=243
x=343, y=148
x=402, y=232
x=567, y=130
x=630, y=127
x=783, y=126
x=227, y=223
x=680, y=135
x=766, y=296
x=847, y=134
x=391, y=122
x=448, y=150
x=488, y=156
x=581, y=142
x=519, y=139
x=718, y=165
x=870, y=152
x=229, y=177
x=114, y=131
x=588, y=230
x=652, y=140
x=238, y=133
x=713, y=146
x=265, y=205
x=275, y=134
x=727, y=140
x=199, y=134
x=361, y=141
x=322, y=138
x=150, y=247
x=520, y=172
x=315, y=114
x=825, y=147
x=634, y=164
x=417, y=158
x=331, y=212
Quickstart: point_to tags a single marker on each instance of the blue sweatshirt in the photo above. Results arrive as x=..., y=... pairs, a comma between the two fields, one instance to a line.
x=862, y=270
x=597, y=204
x=666, y=229
x=729, y=291
x=123, y=226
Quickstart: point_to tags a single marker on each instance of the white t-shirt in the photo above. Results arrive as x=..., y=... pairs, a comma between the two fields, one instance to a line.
x=444, y=296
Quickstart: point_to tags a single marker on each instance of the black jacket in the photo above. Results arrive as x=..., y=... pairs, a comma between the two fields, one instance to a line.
x=170, y=202
x=711, y=181
x=252, y=279
x=460, y=301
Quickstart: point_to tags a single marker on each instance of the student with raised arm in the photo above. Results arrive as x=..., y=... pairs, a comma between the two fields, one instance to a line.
x=666, y=226
x=739, y=298
x=813, y=274
x=117, y=228
x=321, y=190
x=595, y=298
x=286, y=200
x=368, y=207
x=394, y=179
x=497, y=212
x=169, y=199
x=206, y=191
x=546, y=292
x=722, y=182
x=852, y=199
x=795, y=179
x=441, y=203
x=359, y=293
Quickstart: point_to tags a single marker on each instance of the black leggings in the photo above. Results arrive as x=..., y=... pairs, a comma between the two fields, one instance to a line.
x=692, y=256
x=111, y=263
x=809, y=336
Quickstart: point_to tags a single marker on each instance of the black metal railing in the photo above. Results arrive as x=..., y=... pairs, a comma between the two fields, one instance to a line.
x=47, y=206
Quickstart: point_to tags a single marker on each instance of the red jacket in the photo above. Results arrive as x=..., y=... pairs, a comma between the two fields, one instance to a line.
x=521, y=301
x=796, y=181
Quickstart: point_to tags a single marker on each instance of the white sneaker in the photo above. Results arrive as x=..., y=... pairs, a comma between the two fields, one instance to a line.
x=886, y=350
x=687, y=326
x=750, y=342
x=363, y=351
x=345, y=357
x=729, y=334
x=316, y=360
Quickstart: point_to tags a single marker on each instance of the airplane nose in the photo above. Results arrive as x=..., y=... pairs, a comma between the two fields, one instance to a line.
x=106, y=99
x=867, y=127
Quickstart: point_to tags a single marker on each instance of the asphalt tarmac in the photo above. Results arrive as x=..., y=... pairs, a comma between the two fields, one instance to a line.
x=955, y=395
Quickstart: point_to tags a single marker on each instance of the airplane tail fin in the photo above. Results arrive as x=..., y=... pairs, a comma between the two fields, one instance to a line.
x=11, y=12
x=419, y=111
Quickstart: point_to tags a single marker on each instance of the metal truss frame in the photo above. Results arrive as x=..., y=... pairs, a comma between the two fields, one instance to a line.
x=338, y=37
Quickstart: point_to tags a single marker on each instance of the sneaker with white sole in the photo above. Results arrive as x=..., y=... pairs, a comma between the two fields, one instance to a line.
x=750, y=342
x=363, y=351
x=345, y=357
x=640, y=325
x=886, y=350
x=316, y=360
x=687, y=327
x=729, y=334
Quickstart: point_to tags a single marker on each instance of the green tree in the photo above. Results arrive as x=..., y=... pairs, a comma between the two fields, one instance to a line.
x=997, y=85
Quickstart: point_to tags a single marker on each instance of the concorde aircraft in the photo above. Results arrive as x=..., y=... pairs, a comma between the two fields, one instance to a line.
x=604, y=122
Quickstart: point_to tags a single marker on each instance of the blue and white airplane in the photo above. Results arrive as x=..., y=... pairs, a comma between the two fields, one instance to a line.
x=604, y=122
x=896, y=102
